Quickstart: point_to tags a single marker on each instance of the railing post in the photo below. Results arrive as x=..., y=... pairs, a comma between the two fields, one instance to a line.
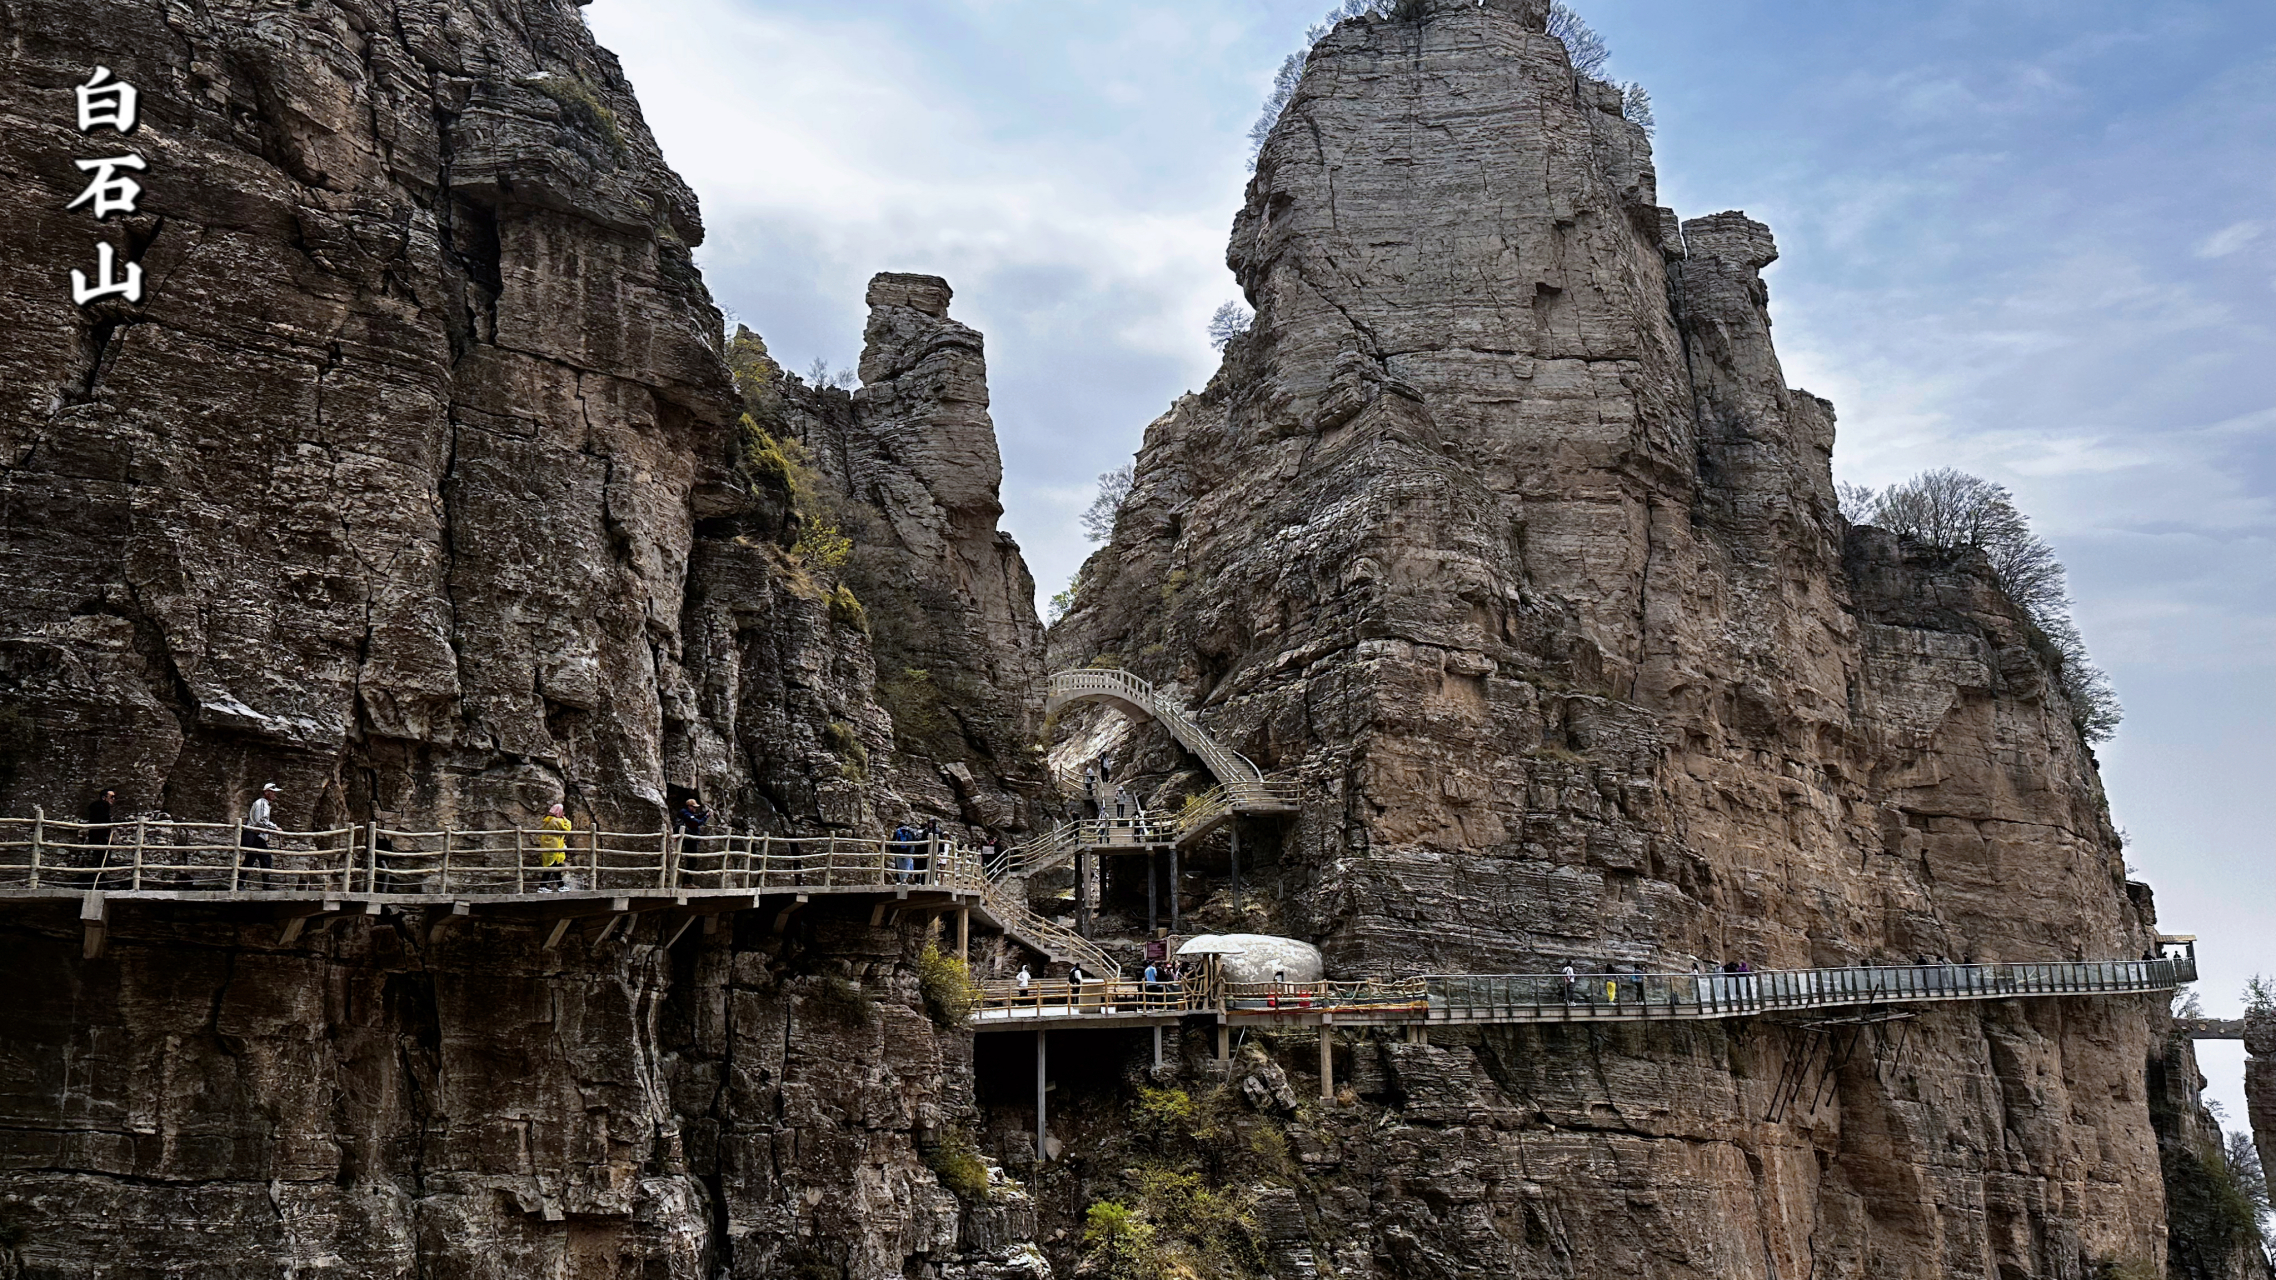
x=39, y=824
x=140, y=824
x=592, y=858
x=445, y=886
x=518, y=888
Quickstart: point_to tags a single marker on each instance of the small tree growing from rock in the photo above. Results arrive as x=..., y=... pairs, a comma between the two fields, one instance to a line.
x=1951, y=510
x=1113, y=487
x=1582, y=44
x=1230, y=321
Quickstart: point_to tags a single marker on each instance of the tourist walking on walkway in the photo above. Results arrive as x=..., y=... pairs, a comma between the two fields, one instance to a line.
x=1153, y=984
x=99, y=817
x=904, y=851
x=1572, y=980
x=254, y=837
x=552, y=849
x=691, y=817
x=98, y=834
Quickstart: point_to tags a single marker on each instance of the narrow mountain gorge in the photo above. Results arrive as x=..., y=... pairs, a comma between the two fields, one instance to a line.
x=424, y=480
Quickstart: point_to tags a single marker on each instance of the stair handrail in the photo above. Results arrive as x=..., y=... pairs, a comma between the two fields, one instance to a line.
x=1045, y=935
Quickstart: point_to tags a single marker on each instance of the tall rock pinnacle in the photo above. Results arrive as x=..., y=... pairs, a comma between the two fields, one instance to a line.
x=1503, y=532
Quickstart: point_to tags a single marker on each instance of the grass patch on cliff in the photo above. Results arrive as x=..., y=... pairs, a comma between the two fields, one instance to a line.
x=957, y=1163
x=767, y=464
x=846, y=610
x=583, y=110
x=946, y=984
x=844, y=743
x=1173, y=1224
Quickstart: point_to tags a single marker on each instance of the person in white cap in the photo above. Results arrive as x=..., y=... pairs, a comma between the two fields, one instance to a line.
x=254, y=836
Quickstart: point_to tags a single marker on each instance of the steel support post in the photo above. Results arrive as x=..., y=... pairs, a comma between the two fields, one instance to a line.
x=1173, y=888
x=1236, y=866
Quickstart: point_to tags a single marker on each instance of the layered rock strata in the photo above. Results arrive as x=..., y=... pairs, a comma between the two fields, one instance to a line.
x=406, y=1096
x=415, y=482
x=1502, y=530
x=913, y=477
x=410, y=482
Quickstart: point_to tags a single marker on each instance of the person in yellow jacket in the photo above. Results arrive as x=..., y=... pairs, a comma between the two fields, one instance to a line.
x=552, y=849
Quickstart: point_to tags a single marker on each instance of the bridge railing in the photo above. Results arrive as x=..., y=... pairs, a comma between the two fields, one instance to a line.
x=1728, y=994
x=1233, y=769
x=142, y=856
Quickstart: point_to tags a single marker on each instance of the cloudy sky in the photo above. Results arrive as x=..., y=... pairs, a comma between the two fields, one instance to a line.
x=2035, y=239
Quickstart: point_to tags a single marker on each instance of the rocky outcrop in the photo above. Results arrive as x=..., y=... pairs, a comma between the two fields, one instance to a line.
x=407, y=1096
x=411, y=483
x=1502, y=530
x=2260, y=1081
x=387, y=487
x=416, y=482
x=2213, y=1227
x=911, y=460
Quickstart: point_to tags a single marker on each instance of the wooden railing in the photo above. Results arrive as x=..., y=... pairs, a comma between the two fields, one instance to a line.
x=142, y=856
x=1104, y=997
x=1199, y=816
x=1055, y=941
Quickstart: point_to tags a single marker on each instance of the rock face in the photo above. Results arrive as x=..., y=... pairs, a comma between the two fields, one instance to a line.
x=2260, y=1081
x=2213, y=1229
x=415, y=482
x=910, y=460
x=409, y=483
x=385, y=1099
x=1502, y=530
x=385, y=488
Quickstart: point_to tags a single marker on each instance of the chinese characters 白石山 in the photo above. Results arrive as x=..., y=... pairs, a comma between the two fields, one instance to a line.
x=108, y=103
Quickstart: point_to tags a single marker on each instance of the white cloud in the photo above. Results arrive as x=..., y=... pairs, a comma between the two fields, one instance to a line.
x=2229, y=239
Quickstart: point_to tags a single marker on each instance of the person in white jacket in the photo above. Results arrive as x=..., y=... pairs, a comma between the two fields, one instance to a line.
x=254, y=836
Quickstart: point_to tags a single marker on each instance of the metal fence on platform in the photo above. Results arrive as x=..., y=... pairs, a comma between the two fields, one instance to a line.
x=1553, y=997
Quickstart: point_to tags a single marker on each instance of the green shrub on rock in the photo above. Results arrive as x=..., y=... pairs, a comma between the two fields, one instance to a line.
x=946, y=984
